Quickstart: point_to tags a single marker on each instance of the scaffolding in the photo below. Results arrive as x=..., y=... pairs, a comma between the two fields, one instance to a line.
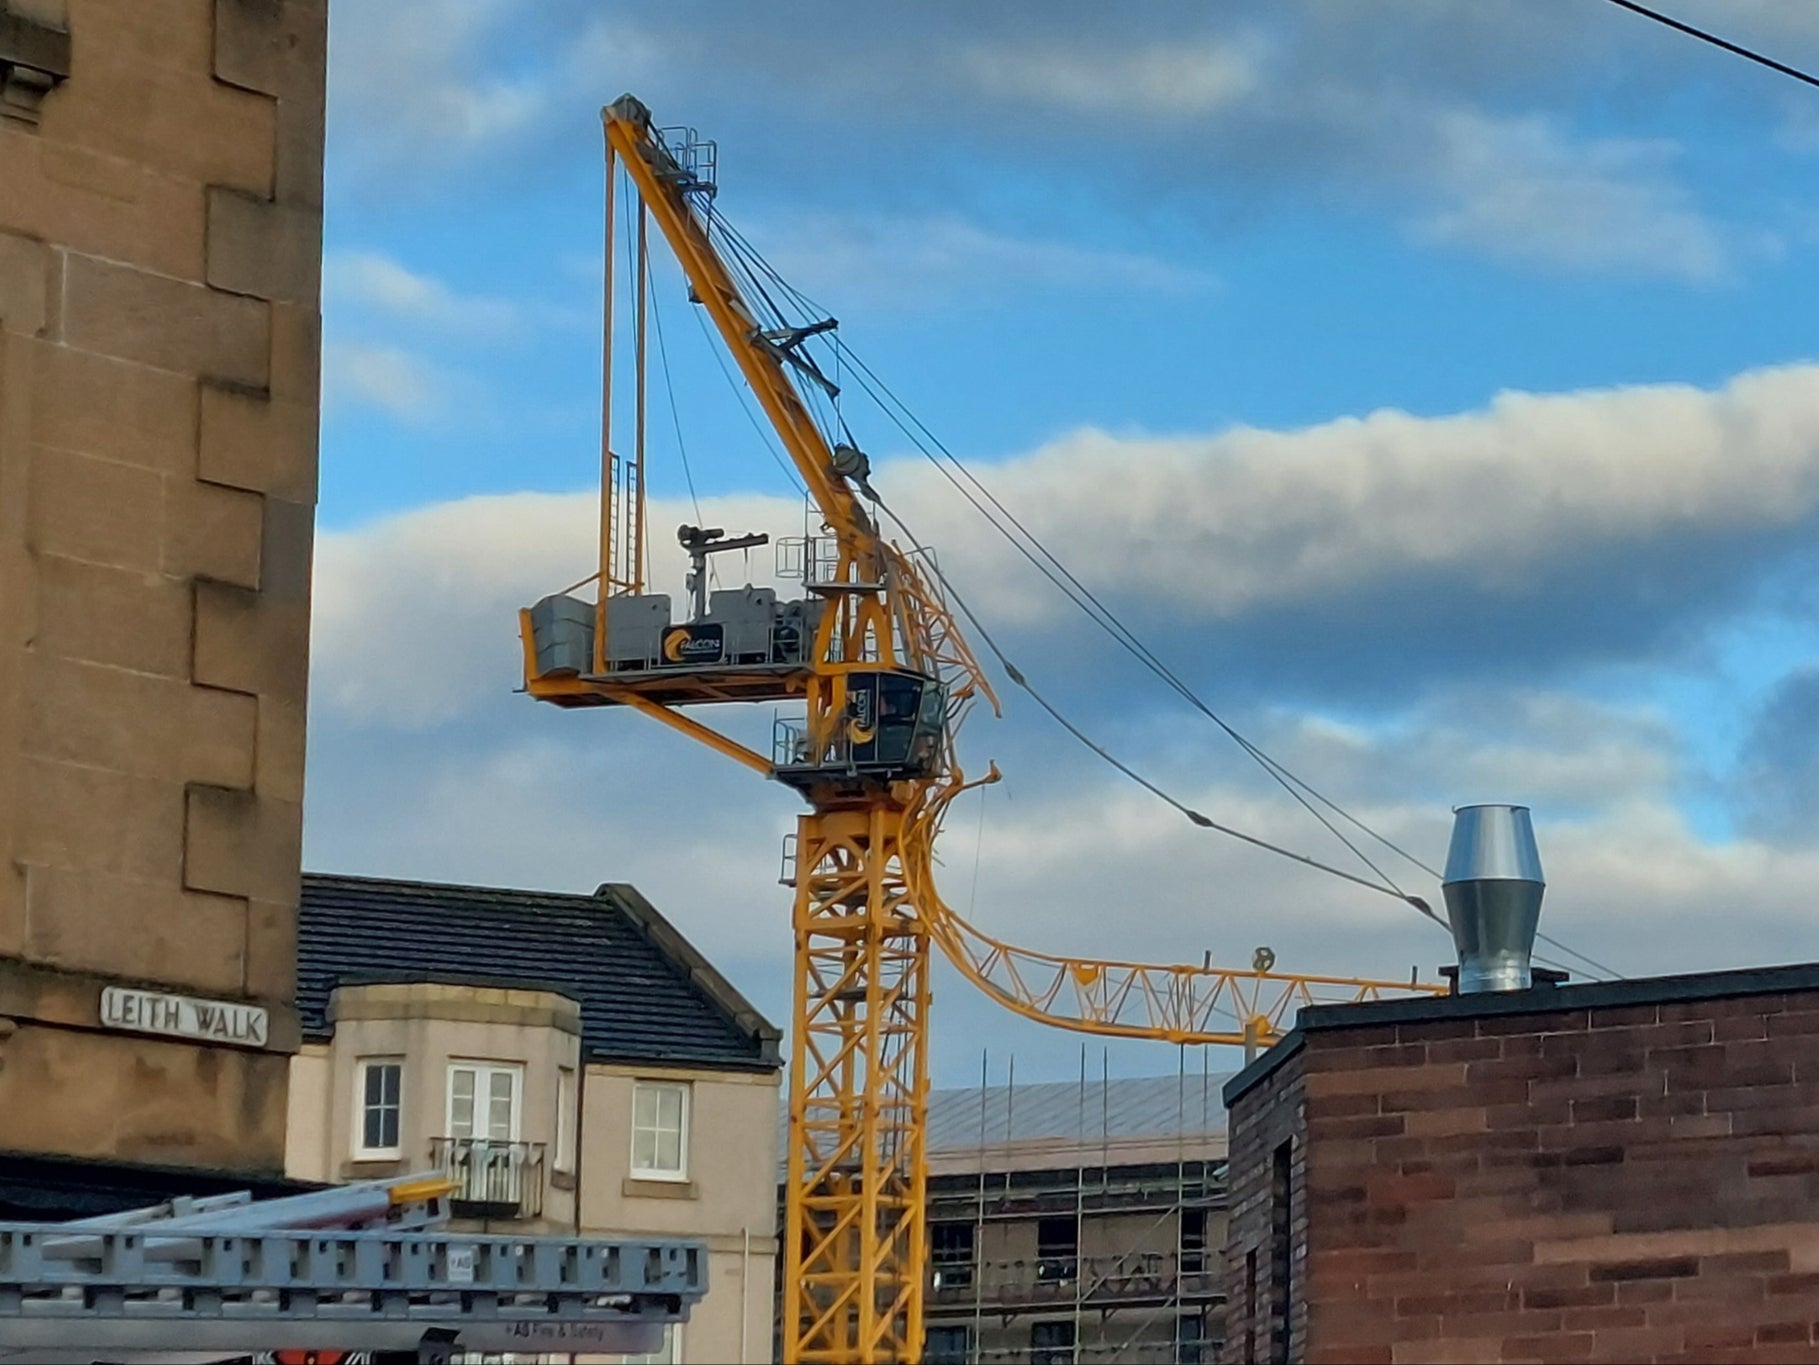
x=1077, y=1227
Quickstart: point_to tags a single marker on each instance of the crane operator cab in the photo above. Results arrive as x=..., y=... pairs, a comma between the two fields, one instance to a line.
x=893, y=728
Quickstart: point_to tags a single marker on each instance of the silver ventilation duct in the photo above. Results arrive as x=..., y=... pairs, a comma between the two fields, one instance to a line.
x=1493, y=887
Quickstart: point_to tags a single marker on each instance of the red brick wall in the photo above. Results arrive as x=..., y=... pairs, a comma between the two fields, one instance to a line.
x=1255, y=1321
x=1634, y=1183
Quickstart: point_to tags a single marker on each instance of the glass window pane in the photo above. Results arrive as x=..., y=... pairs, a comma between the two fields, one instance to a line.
x=669, y=1108
x=377, y=1124
x=669, y=1151
x=461, y=1102
x=565, y=1118
x=644, y=1106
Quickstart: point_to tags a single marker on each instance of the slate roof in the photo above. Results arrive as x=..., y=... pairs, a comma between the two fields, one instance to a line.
x=646, y=995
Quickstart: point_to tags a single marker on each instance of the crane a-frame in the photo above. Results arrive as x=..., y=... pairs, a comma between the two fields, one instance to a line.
x=873, y=656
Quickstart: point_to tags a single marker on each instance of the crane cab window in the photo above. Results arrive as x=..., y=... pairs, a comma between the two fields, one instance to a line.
x=895, y=721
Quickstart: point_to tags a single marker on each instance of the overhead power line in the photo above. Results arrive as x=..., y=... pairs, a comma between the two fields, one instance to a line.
x=1026, y=543
x=756, y=271
x=1712, y=38
x=1016, y=675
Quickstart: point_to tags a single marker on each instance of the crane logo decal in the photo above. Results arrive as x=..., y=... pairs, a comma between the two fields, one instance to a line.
x=861, y=725
x=696, y=644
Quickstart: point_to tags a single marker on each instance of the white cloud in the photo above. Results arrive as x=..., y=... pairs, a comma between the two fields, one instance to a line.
x=375, y=281
x=881, y=260
x=442, y=585
x=419, y=85
x=393, y=380
x=1538, y=503
x=1522, y=190
x=1161, y=81
x=451, y=776
x=1494, y=501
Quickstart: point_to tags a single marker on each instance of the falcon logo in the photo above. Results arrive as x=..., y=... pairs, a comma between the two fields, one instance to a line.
x=861, y=725
x=698, y=644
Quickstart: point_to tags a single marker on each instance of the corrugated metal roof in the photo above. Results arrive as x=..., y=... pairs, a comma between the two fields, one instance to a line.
x=646, y=995
x=1128, y=1107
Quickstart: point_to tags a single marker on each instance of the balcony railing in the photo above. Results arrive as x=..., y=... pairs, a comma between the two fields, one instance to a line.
x=493, y=1179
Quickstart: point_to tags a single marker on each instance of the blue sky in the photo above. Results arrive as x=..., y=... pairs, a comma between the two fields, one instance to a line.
x=1435, y=379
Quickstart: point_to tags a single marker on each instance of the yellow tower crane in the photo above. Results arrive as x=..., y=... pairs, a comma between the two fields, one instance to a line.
x=884, y=677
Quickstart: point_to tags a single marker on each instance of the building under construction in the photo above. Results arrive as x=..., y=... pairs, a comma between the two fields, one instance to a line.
x=1077, y=1221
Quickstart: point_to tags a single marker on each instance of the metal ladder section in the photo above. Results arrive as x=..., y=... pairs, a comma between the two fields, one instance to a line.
x=357, y=1267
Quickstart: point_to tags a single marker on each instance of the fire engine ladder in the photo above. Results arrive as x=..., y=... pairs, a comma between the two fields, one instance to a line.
x=364, y=1267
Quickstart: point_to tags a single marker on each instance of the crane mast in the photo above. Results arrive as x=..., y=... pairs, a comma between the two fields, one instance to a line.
x=884, y=678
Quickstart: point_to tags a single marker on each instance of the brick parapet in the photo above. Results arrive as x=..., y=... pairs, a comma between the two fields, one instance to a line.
x=1627, y=1181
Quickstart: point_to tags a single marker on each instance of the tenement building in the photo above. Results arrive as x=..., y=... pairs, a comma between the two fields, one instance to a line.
x=571, y=1062
x=160, y=223
x=1617, y=1171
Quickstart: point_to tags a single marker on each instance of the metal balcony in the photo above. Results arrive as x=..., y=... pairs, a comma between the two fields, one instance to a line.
x=493, y=1179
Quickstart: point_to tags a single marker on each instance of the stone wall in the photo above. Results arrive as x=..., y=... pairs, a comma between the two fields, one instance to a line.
x=1613, y=1178
x=160, y=244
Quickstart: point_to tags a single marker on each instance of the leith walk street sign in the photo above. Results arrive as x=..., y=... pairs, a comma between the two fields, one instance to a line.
x=181, y=1016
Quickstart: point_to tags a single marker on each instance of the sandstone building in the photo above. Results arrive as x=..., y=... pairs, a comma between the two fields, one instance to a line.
x=160, y=226
x=572, y=1062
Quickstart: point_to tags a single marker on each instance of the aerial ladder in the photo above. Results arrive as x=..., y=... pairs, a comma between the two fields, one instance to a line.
x=884, y=677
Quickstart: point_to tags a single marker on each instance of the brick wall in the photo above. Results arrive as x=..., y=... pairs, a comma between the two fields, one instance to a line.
x=1262, y=1321
x=160, y=237
x=1594, y=1182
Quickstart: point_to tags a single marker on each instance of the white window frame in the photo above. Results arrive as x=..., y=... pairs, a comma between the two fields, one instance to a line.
x=646, y=1173
x=483, y=1072
x=361, y=1151
x=566, y=1096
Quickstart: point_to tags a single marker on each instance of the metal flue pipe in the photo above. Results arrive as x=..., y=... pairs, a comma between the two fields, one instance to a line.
x=1493, y=887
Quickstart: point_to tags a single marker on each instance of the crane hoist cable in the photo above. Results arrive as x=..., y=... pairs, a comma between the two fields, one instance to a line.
x=1107, y=621
x=916, y=431
x=1017, y=676
x=752, y=263
x=770, y=446
x=675, y=415
x=1028, y=544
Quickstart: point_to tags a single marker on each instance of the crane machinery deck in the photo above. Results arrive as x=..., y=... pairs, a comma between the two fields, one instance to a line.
x=884, y=678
